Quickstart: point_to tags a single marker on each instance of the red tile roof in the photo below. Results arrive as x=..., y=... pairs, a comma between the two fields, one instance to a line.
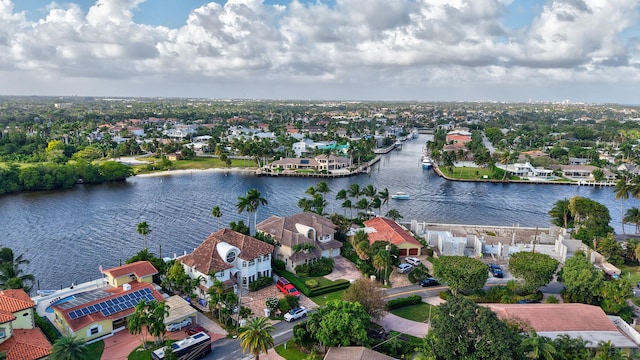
x=556, y=317
x=138, y=268
x=12, y=301
x=26, y=344
x=79, y=323
x=389, y=231
x=206, y=259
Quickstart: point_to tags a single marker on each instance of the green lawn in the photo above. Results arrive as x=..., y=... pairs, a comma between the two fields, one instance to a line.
x=467, y=173
x=95, y=350
x=418, y=312
x=321, y=300
x=290, y=351
x=630, y=272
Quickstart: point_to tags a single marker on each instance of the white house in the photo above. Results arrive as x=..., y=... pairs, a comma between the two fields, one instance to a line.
x=526, y=170
x=230, y=257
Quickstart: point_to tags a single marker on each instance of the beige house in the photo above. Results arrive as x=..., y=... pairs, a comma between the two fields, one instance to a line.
x=140, y=271
x=318, y=163
x=301, y=238
x=19, y=336
x=383, y=229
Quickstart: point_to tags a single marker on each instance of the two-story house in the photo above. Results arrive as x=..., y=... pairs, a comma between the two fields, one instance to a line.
x=19, y=336
x=301, y=238
x=230, y=257
x=104, y=310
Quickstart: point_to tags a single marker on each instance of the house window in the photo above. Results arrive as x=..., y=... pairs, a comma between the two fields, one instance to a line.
x=266, y=257
x=244, y=264
x=252, y=262
x=2, y=333
x=231, y=257
x=94, y=330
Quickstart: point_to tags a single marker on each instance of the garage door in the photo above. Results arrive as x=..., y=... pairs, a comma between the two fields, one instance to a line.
x=403, y=252
x=413, y=251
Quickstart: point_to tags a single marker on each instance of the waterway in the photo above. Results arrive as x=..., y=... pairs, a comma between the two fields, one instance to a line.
x=68, y=234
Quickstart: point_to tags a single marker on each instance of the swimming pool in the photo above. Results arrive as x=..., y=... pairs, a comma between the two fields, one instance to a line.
x=61, y=301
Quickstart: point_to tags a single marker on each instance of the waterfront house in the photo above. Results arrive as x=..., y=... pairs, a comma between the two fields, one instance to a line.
x=19, y=336
x=292, y=234
x=228, y=256
x=103, y=311
x=383, y=229
x=526, y=170
x=575, y=320
x=318, y=163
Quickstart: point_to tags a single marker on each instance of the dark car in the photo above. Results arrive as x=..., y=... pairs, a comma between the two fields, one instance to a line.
x=497, y=273
x=494, y=267
x=429, y=282
x=376, y=331
x=194, y=329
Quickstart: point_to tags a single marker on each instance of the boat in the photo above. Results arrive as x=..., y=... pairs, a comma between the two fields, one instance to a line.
x=427, y=163
x=401, y=196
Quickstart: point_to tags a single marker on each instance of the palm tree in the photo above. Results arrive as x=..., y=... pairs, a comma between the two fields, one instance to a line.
x=255, y=200
x=341, y=195
x=561, y=214
x=363, y=204
x=255, y=337
x=347, y=204
x=381, y=261
x=384, y=196
x=216, y=213
x=157, y=311
x=538, y=347
x=69, y=347
x=606, y=351
x=394, y=215
x=322, y=188
x=632, y=216
x=305, y=204
x=144, y=230
x=369, y=191
x=354, y=191
x=11, y=276
x=215, y=292
x=376, y=204
x=242, y=205
x=622, y=190
x=504, y=160
x=137, y=321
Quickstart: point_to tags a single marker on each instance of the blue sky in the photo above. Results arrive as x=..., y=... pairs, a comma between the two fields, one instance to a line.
x=476, y=50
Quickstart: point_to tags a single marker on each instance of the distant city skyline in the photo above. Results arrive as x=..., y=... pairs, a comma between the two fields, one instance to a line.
x=427, y=50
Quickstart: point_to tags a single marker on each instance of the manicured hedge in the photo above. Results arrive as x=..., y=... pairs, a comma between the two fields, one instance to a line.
x=47, y=328
x=402, y=302
x=337, y=285
x=262, y=282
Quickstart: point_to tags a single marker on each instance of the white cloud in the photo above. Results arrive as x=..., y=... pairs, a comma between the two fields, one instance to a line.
x=406, y=44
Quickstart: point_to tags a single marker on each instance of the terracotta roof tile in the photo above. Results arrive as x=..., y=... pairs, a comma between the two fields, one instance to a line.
x=26, y=344
x=15, y=300
x=389, y=230
x=556, y=317
x=206, y=259
x=139, y=268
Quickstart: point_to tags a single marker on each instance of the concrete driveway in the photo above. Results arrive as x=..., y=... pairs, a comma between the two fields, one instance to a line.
x=343, y=269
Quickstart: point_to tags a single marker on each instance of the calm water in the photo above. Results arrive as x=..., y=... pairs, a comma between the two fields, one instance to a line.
x=67, y=235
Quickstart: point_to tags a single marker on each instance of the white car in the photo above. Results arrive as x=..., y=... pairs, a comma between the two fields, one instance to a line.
x=179, y=325
x=404, y=268
x=412, y=260
x=295, y=313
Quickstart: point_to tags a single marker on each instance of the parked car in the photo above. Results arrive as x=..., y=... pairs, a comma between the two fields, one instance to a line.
x=497, y=273
x=404, y=268
x=194, y=329
x=295, y=313
x=493, y=267
x=286, y=287
x=179, y=325
x=412, y=260
x=376, y=331
x=429, y=282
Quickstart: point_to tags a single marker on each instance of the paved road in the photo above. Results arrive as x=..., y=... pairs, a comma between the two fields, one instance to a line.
x=229, y=349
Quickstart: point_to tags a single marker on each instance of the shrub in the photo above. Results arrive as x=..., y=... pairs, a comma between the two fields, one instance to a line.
x=261, y=283
x=419, y=272
x=321, y=267
x=47, y=328
x=272, y=303
x=311, y=283
x=279, y=264
x=337, y=285
x=402, y=302
x=551, y=300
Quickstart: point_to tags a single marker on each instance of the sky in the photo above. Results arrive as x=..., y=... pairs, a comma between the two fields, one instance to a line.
x=406, y=50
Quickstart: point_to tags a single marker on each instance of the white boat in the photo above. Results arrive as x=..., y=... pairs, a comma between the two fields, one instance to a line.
x=401, y=196
x=427, y=163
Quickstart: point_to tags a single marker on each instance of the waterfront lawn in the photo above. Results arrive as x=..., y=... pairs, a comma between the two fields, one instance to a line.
x=467, y=173
x=418, y=312
x=291, y=351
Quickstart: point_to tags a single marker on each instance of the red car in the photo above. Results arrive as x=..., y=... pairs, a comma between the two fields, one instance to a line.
x=194, y=329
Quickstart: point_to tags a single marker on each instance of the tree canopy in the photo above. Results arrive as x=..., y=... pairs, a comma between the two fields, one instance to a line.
x=339, y=323
x=461, y=273
x=535, y=269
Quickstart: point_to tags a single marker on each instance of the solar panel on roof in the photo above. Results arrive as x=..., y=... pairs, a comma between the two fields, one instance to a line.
x=127, y=296
x=72, y=315
x=84, y=311
x=92, y=308
x=109, y=302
